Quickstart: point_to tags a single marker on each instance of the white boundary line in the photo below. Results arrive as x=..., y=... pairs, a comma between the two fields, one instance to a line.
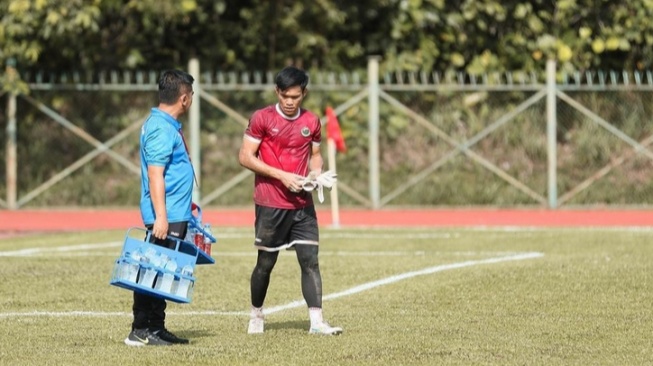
x=407, y=275
x=326, y=253
x=299, y=303
x=69, y=248
x=443, y=233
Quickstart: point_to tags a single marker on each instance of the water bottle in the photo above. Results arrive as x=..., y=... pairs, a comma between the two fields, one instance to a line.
x=198, y=239
x=136, y=255
x=130, y=272
x=150, y=253
x=165, y=280
x=123, y=269
x=165, y=277
x=171, y=265
x=184, y=289
x=153, y=257
x=147, y=277
x=207, y=240
x=163, y=260
x=147, y=274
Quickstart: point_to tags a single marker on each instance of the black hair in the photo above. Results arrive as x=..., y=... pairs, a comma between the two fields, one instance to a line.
x=291, y=76
x=172, y=84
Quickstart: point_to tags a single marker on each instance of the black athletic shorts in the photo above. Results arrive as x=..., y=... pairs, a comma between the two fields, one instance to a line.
x=277, y=229
x=175, y=229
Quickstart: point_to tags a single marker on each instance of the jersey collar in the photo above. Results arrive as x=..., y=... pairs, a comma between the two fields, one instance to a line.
x=299, y=111
x=168, y=118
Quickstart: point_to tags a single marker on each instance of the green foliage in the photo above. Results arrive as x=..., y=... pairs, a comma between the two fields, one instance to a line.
x=474, y=36
x=10, y=81
x=30, y=28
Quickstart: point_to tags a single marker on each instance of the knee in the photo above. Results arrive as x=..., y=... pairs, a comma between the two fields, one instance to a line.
x=265, y=265
x=309, y=263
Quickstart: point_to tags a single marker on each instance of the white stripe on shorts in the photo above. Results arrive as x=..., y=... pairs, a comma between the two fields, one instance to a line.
x=284, y=246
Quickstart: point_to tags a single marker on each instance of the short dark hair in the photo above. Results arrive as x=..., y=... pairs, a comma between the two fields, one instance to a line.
x=291, y=76
x=172, y=84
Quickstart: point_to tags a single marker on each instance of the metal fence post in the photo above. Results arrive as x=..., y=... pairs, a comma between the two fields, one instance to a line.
x=194, y=122
x=373, y=97
x=11, y=164
x=551, y=124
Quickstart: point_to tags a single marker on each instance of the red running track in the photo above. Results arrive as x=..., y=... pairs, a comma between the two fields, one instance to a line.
x=93, y=219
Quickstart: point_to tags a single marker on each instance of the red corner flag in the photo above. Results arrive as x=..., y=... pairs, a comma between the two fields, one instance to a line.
x=333, y=130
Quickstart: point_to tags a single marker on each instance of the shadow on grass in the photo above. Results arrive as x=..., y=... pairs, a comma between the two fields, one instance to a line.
x=194, y=334
x=294, y=324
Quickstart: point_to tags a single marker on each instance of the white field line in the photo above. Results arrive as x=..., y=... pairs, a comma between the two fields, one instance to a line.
x=252, y=253
x=400, y=277
x=299, y=303
x=69, y=248
x=508, y=228
x=408, y=234
x=80, y=247
x=103, y=314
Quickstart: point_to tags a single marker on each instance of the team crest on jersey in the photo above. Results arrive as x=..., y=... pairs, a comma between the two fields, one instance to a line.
x=305, y=131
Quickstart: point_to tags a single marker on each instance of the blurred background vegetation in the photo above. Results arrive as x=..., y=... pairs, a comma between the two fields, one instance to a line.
x=246, y=35
x=471, y=37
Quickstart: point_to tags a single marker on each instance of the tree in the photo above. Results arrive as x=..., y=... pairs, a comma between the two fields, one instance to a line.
x=237, y=35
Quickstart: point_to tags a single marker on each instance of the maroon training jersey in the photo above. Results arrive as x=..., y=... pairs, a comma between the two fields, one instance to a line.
x=286, y=144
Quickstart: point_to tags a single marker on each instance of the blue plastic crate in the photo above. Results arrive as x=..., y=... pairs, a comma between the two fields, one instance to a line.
x=145, y=267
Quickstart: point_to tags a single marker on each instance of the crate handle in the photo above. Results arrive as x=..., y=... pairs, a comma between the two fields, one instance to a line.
x=194, y=206
x=196, y=222
x=178, y=241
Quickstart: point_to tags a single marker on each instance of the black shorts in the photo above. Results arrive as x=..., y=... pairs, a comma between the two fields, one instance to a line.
x=277, y=229
x=175, y=229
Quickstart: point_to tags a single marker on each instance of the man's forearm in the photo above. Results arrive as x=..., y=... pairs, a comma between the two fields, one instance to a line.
x=158, y=192
x=316, y=163
x=259, y=167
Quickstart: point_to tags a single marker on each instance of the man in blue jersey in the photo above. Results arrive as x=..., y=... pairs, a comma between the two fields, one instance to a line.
x=166, y=194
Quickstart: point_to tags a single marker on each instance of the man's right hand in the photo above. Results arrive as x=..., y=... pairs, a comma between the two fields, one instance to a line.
x=292, y=181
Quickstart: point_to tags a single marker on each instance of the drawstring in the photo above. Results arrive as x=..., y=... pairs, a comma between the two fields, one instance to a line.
x=189, y=159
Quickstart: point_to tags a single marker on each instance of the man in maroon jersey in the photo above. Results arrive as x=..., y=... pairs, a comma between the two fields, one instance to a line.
x=282, y=146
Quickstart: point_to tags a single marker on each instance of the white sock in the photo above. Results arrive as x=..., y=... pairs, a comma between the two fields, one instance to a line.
x=256, y=312
x=315, y=314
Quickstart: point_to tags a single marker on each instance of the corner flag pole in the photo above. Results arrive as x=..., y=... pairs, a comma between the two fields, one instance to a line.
x=335, y=142
x=335, y=212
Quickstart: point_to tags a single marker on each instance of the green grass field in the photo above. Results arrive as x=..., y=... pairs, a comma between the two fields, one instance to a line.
x=403, y=297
